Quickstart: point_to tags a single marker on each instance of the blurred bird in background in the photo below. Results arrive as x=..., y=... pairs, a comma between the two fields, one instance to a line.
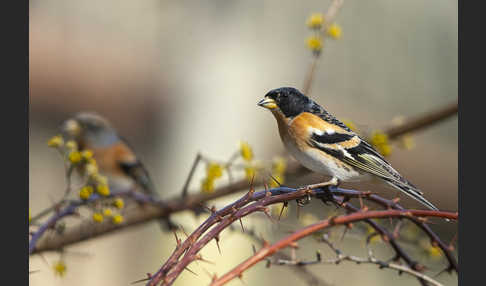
x=115, y=158
x=325, y=145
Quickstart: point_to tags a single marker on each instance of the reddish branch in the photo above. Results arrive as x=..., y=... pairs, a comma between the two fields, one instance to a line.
x=339, y=220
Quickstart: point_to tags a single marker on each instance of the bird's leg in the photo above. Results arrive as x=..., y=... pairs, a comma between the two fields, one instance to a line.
x=332, y=182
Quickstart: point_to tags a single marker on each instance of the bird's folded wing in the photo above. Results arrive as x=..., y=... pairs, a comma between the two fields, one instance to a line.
x=139, y=174
x=351, y=149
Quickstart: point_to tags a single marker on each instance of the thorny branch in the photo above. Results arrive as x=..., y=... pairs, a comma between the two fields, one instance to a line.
x=339, y=220
x=187, y=251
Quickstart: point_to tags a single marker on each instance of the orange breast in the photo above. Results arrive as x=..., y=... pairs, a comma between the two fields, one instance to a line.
x=110, y=157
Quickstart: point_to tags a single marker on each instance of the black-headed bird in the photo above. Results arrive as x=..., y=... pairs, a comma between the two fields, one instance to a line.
x=325, y=145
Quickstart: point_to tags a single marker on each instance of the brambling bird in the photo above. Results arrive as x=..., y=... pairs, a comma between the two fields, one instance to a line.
x=325, y=145
x=114, y=157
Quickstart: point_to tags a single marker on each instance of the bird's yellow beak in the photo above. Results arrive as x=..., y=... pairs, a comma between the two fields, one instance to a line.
x=71, y=127
x=267, y=103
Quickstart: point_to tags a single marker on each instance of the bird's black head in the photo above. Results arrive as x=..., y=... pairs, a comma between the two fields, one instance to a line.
x=289, y=101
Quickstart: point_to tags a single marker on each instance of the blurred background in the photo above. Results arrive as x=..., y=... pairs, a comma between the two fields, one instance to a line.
x=179, y=77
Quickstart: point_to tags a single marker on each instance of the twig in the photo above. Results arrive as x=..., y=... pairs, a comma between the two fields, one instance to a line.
x=421, y=122
x=191, y=173
x=328, y=19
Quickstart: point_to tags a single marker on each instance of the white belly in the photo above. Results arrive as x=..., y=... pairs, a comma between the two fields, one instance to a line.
x=315, y=161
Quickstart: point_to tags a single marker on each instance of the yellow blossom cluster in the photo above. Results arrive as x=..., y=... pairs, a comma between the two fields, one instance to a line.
x=213, y=171
x=380, y=141
x=117, y=219
x=84, y=161
x=279, y=165
x=334, y=31
x=118, y=203
x=107, y=212
x=56, y=142
x=85, y=192
x=59, y=268
x=246, y=151
x=432, y=251
x=99, y=217
x=251, y=166
x=316, y=22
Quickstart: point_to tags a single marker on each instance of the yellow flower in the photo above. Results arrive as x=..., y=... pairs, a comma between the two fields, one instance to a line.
x=314, y=43
x=315, y=21
x=72, y=145
x=207, y=185
x=334, y=31
x=103, y=189
x=385, y=150
x=87, y=154
x=379, y=140
x=350, y=125
x=59, y=268
x=119, y=203
x=250, y=172
x=98, y=217
x=85, y=192
x=107, y=212
x=117, y=219
x=55, y=141
x=214, y=170
x=74, y=157
x=276, y=177
x=246, y=151
x=279, y=165
x=434, y=252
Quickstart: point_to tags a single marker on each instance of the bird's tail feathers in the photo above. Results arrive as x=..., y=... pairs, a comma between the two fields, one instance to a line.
x=415, y=194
